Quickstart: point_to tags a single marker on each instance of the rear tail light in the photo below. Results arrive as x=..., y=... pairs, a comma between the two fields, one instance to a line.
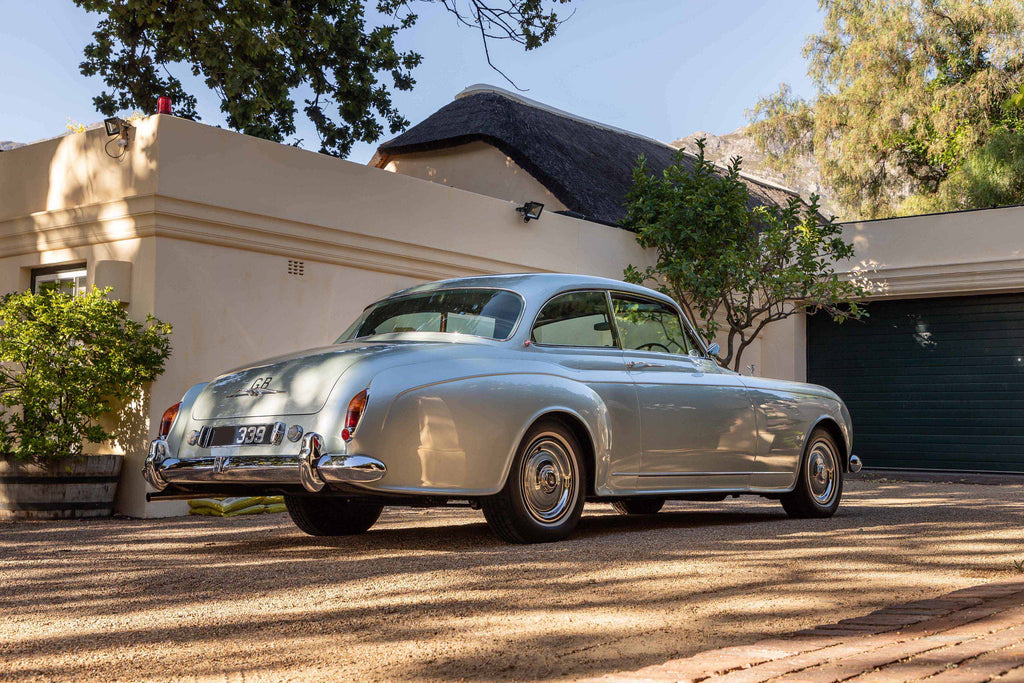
x=168, y=420
x=355, y=411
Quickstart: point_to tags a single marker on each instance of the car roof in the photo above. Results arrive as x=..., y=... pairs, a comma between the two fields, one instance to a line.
x=534, y=286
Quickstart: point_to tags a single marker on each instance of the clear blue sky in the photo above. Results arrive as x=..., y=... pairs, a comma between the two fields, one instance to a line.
x=663, y=68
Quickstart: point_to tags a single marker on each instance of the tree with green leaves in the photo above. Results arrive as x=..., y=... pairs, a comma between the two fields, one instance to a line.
x=257, y=56
x=915, y=100
x=65, y=362
x=732, y=266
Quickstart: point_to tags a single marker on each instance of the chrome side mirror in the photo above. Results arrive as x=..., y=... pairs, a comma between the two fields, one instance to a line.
x=713, y=350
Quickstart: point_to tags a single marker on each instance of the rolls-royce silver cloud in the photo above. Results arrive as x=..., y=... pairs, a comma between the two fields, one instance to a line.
x=521, y=395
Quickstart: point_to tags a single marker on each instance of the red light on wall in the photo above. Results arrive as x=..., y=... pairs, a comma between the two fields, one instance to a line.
x=163, y=105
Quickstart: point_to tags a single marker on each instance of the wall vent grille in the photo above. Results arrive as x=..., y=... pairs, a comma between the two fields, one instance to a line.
x=296, y=267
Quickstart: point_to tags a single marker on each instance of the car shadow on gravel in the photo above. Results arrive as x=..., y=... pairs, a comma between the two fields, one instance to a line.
x=477, y=536
x=433, y=594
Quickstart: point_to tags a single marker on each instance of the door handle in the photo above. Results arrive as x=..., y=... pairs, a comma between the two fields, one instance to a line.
x=637, y=364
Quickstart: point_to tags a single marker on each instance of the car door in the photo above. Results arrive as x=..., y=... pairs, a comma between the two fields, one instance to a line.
x=574, y=330
x=697, y=422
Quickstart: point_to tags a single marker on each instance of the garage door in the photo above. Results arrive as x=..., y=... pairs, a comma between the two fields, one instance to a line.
x=930, y=383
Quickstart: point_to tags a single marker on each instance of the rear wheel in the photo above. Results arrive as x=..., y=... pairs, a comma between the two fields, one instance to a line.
x=639, y=506
x=819, y=483
x=331, y=516
x=543, y=497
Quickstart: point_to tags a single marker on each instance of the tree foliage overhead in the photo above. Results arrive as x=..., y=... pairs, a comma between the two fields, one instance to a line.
x=909, y=94
x=732, y=266
x=64, y=363
x=256, y=55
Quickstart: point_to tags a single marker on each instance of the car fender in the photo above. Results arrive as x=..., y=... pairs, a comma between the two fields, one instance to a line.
x=597, y=431
x=182, y=421
x=844, y=430
x=459, y=436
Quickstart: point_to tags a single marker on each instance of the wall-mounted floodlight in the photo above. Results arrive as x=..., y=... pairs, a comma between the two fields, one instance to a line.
x=531, y=211
x=119, y=129
x=113, y=125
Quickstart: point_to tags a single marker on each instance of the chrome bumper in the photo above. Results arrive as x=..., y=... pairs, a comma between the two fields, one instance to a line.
x=310, y=468
x=855, y=464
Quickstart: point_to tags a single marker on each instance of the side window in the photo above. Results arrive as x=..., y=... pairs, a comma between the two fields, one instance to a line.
x=646, y=325
x=574, y=319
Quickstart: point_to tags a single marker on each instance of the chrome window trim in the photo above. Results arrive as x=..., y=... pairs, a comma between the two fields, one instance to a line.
x=512, y=333
x=616, y=335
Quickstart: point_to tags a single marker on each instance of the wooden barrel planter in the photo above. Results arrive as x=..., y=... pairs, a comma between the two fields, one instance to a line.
x=61, y=489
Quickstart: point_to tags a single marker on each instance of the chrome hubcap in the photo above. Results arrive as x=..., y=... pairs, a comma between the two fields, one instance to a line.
x=822, y=466
x=549, y=481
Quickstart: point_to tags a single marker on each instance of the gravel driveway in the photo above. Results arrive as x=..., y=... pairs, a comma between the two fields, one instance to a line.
x=432, y=594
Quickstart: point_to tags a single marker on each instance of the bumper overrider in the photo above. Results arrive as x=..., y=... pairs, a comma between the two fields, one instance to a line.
x=311, y=468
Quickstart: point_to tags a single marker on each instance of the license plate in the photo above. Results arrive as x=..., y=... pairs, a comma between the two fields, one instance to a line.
x=253, y=435
x=246, y=435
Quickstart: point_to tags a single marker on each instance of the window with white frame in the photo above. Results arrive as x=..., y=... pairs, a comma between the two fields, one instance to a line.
x=69, y=279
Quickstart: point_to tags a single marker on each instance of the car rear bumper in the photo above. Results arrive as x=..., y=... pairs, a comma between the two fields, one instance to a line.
x=311, y=469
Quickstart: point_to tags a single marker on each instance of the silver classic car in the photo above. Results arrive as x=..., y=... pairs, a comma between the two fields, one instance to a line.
x=520, y=395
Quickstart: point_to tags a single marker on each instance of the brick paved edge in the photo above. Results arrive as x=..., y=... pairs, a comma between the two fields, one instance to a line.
x=905, y=629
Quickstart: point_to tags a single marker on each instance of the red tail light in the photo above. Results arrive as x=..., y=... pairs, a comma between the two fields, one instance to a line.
x=168, y=419
x=355, y=411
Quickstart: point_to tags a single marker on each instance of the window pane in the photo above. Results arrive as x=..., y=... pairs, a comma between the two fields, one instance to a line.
x=49, y=286
x=575, y=319
x=70, y=282
x=481, y=312
x=646, y=325
x=409, y=322
x=471, y=324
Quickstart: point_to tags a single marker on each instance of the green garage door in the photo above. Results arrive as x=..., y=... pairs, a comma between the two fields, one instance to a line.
x=930, y=383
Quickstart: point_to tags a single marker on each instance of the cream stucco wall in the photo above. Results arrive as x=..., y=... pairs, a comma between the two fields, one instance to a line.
x=967, y=252
x=477, y=167
x=210, y=219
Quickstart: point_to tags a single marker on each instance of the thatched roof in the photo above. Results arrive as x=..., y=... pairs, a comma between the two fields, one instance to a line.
x=586, y=165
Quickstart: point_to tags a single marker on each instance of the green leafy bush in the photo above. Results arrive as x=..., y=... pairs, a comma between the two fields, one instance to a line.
x=65, y=362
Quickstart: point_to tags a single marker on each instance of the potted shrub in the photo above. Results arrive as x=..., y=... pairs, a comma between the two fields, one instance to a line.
x=72, y=372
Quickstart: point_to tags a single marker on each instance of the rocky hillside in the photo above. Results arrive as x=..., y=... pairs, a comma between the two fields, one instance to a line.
x=721, y=148
x=9, y=144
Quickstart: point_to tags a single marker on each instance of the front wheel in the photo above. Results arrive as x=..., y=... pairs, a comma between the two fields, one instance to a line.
x=819, y=483
x=331, y=516
x=543, y=496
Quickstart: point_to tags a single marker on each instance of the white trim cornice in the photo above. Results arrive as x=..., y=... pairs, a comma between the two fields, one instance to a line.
x=946, y=279
x=160, y=216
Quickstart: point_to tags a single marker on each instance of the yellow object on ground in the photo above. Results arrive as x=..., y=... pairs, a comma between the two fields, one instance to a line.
x=234, y=507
